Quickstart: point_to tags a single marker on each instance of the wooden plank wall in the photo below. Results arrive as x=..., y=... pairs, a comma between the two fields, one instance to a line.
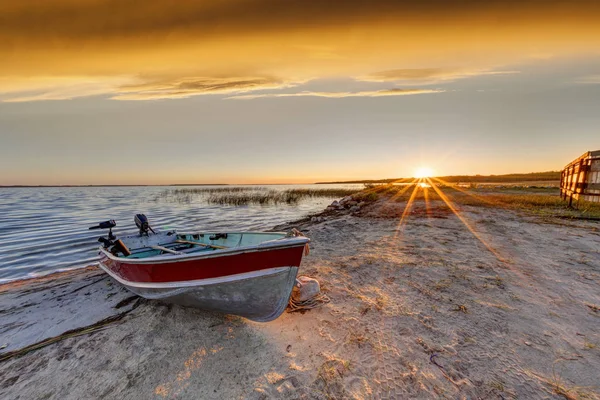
x=580, y=179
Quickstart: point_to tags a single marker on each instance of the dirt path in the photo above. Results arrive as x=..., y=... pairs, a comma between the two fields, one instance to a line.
x=502, y=307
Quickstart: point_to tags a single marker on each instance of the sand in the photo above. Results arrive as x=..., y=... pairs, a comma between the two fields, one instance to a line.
x=504, y=306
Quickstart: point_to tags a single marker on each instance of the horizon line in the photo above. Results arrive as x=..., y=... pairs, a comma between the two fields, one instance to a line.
x=357, y=181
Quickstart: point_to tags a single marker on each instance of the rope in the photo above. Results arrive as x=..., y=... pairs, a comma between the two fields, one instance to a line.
x=313, y=302
x=296, y=233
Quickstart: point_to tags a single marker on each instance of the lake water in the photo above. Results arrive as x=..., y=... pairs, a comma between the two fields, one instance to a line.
x=43, y=230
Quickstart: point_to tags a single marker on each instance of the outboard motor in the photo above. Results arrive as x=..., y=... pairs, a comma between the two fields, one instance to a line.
x=141, y=221
x=106, y=225
x=116, y=246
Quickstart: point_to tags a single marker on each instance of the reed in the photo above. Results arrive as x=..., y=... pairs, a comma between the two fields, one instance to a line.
x=254, y=195
x=235, y=189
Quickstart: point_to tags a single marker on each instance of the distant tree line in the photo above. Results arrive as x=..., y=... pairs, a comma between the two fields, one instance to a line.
x=529, y=177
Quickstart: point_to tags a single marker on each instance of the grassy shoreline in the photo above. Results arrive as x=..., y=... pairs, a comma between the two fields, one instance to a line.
x=540, y=201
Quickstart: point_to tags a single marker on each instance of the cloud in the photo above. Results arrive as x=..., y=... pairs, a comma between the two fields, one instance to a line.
x=265, y=38
x=178, y=88
x=428, y=76
x=53, y=88
x=339, y=95
x=589, y=80
x=52, y=21
x=128, y=88
x=129, y=37
x=187, y=87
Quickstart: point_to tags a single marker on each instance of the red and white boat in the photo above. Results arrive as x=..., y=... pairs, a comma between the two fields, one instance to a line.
x=250, y=274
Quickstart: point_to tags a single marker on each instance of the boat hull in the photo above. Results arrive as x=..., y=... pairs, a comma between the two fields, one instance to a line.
x=259, y=297
x=255, y=283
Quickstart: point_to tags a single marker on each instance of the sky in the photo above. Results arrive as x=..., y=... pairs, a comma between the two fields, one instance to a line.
x=271, y=91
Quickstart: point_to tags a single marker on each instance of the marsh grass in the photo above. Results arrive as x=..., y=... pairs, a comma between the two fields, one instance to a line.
x=253, y=195
x=539, y=201
x=540, y=204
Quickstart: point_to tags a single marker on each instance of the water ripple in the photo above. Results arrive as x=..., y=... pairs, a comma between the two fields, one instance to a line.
x=44, y=230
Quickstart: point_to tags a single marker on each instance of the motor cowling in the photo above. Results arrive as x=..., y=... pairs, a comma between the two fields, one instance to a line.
x=141, y=221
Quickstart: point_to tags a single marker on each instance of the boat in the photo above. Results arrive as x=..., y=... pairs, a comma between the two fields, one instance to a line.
x=250, y=274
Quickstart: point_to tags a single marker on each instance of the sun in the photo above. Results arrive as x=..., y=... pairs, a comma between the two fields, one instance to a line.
x=423, y=172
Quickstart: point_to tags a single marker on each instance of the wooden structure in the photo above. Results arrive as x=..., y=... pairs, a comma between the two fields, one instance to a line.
x=580, y=180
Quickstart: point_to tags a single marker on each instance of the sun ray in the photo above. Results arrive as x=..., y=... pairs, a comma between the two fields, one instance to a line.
x=381, y=187
x=465, y=222
x=400, y=192
x=427, y=205
x=408, y=206
x=455, y=187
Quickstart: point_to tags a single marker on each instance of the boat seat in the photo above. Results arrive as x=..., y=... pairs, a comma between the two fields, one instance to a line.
x=119, y=246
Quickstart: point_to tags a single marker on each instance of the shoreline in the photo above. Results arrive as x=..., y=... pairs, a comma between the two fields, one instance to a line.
x=50, y=275
x=491, y=178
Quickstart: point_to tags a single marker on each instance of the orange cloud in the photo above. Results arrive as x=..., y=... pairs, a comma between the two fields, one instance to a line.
x=187, y=87
x=104, y=41
x=428, y=75
x=339, y=95
x=58, y=22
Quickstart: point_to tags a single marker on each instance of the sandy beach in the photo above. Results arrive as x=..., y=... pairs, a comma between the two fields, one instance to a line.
x=494, y=304
x=434, y=165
